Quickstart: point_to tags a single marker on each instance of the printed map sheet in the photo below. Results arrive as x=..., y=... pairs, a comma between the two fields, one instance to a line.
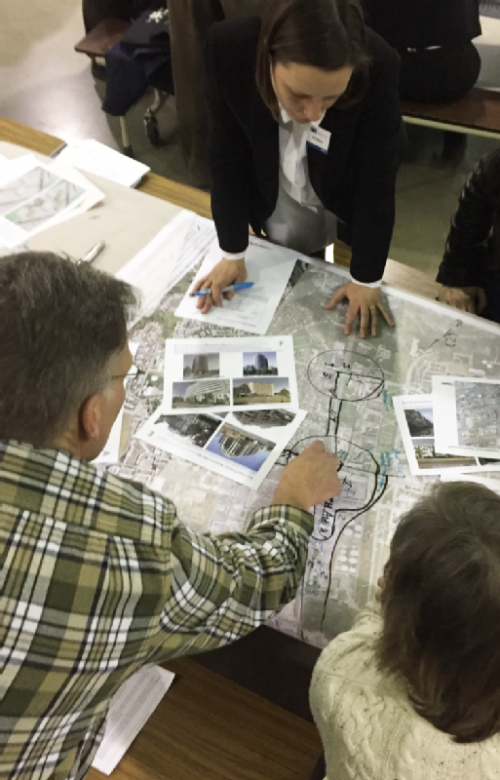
x=346, y=386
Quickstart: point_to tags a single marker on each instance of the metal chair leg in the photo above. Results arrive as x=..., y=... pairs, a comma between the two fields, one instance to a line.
x=127, y=148
x=150, y=120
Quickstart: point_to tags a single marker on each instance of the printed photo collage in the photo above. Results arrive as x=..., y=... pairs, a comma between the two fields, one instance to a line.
x=230, y=405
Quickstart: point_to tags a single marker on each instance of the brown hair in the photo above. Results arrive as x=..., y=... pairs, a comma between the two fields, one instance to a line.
x=441, y=609
x=326, y=34
x=61, y=323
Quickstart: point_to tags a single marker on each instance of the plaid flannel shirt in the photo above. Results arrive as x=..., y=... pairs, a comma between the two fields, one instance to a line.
x=98, y=578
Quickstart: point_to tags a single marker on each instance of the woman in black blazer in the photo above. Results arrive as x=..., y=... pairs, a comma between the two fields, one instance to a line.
x=305, y=125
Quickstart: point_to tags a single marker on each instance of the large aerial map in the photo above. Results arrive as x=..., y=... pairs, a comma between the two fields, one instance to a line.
x=346, y=385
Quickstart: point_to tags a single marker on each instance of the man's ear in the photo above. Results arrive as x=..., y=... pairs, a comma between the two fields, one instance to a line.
x=90, y=417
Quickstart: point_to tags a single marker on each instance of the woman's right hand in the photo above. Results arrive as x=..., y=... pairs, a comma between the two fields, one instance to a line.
x=226, y=272
x=471, y=299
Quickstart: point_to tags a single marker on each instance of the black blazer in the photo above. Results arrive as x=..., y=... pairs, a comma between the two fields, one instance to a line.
x=472, y=254
x=355, y=179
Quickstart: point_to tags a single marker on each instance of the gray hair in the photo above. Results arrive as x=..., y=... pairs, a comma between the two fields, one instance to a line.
x=60, y=324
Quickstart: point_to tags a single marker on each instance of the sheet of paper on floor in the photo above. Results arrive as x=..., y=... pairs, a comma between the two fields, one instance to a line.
x=227, y=374
x=174, y=251
x=269, y=268
x=130, y=708
x=467, y=415
x=415, y=416
x=92, y=156
x=35, y=196
x=242, y=446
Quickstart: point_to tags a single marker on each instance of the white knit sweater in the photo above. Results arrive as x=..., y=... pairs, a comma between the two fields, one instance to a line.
x=368, y=726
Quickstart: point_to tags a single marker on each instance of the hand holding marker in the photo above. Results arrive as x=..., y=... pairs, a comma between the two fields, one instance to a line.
x=231, y=288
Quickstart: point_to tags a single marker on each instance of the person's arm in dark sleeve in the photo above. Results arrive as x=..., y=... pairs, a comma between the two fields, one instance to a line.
x=466, y=245
x=230, y=155
x=378, y=146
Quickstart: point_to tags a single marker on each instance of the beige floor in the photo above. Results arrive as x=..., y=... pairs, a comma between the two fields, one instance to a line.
x=44, y=83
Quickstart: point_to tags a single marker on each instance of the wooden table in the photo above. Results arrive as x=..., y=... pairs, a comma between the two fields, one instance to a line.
x=208, y=727
x=396, y=274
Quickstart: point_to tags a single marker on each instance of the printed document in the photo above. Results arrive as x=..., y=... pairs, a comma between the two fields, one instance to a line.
x=130, y=708
x=415, y=416
x=174, y=251
x=35, y=196
x=242, y=446
x=269, y=268
x=229, y=374
x=467, y=415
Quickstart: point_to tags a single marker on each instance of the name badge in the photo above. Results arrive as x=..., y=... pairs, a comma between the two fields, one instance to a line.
x=319, y=138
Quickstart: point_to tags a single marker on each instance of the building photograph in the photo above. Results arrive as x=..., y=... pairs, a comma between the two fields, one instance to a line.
x=260, y=364
x=203, y=392
x=237, y=446
x=261, y=391
x=196, y=429
x=203, y=365
x=265, y=418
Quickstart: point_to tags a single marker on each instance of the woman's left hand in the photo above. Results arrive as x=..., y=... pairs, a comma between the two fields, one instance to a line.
x=365, y=301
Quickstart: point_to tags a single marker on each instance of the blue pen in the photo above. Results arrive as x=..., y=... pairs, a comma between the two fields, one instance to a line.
x=235, y=287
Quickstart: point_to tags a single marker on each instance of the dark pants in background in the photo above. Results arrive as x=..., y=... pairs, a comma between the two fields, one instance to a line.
x=438, y=75
x=94, y=11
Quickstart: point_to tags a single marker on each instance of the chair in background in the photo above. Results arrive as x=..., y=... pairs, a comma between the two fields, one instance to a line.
x=136, y=55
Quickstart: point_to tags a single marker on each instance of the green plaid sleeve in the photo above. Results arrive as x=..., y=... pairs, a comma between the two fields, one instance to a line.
x=224, y=586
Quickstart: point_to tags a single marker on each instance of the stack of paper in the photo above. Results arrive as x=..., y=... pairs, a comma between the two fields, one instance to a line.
x=174, y=251
x=230, y=405
x=456, y=428
x=91, y=156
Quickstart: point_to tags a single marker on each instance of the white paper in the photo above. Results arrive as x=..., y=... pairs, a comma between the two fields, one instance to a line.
x=269, y=268
x=491, y=484
x=415, y=416
x=228, y=374
x=467, y=415
x=226, y=444
x=130, y=708
x=35, y=196
x=94, y=157
x=173, y=252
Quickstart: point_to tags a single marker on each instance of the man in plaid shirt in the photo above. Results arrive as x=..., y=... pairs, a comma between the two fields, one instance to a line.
x=98, y=577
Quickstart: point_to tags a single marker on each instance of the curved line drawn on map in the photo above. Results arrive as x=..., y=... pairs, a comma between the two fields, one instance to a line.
x=378, y=492
x=356, y=377
x=344, y=376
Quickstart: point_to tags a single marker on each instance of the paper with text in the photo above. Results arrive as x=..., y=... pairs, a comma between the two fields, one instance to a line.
x=269, y=268
x=174, y=251
x=130, y=708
